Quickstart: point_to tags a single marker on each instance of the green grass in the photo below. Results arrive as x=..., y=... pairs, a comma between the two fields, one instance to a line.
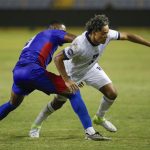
x=128, y=66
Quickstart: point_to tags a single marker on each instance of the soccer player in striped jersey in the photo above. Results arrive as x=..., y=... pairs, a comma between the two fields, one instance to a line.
x=79, y=62
x=30, y=73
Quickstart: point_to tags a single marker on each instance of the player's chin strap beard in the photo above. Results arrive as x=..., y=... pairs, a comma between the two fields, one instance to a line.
x=88, y=36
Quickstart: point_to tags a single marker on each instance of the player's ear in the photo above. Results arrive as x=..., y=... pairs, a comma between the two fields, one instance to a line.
x=63, y=27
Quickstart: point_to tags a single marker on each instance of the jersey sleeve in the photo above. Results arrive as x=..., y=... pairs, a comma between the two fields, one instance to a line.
x=71, y=51
x=113, y=35
x=58, y=36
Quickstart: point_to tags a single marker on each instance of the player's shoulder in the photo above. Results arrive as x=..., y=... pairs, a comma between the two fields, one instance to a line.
x=112, y=31
x=79, y=44
x=113, y=34
x=80, y=40
x=54, y=35
x=55, y=31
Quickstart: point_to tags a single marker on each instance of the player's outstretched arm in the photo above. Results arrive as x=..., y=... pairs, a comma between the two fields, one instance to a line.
x=59, y=62
x=69, y=37
x=134, y=38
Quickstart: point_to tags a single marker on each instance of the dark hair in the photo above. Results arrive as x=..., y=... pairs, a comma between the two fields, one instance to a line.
x=96, y=23
x=55, y=22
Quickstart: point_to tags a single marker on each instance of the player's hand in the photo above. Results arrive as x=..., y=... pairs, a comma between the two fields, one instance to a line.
x=72, y=86
x=81, y=84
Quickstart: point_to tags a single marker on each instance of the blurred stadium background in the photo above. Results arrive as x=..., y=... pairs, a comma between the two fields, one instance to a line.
x=73, y=12
x=127, y=64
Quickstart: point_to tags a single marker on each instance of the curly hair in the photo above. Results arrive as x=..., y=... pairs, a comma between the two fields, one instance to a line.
x=96, y=23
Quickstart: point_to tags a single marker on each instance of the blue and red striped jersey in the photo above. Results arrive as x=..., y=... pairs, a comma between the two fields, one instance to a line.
x=41, y=47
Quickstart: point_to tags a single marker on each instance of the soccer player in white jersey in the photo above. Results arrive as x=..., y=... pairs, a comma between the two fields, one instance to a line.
x=81, y=65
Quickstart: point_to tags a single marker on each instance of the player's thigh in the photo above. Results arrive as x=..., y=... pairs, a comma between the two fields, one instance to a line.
x=20, y=89
x=50, y=83
x=96, y=77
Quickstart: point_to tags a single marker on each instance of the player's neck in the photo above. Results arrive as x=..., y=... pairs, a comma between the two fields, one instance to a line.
x=90, y=38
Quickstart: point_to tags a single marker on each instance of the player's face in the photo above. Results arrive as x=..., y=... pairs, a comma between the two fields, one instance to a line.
x=99, y=37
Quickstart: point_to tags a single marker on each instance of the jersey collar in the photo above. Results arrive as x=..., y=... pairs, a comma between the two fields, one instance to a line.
x=88, y=38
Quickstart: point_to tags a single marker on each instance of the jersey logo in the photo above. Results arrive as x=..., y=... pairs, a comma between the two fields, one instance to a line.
x=99, y=68
x=70, y=52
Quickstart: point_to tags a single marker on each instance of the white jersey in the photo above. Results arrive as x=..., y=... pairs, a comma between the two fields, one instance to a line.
x=83, y=55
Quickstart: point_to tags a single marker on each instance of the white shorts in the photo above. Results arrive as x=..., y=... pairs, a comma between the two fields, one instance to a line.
x=95, y=77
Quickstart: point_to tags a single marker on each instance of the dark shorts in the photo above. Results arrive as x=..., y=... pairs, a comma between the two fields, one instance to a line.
x=29, y=77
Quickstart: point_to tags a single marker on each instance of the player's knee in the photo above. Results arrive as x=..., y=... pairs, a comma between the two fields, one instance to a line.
x=16, y=100
x=58, y=102
x=112, y=95
x=60, y=98
x=15, y=104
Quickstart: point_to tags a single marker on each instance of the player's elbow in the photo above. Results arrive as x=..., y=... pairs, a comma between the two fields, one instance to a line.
x=59, y=57
x=56, y=59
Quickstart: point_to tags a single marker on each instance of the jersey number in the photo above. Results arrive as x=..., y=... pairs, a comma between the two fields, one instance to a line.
x=29, y=42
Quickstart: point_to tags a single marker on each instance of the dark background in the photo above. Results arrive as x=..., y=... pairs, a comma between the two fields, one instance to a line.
x=73, y=12
x=72, y=17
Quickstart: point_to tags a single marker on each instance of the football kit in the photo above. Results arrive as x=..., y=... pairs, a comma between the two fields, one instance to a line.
x=83, y=55
x=30, y=71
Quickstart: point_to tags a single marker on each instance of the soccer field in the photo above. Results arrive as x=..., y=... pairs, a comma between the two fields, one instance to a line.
x=128, y=66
